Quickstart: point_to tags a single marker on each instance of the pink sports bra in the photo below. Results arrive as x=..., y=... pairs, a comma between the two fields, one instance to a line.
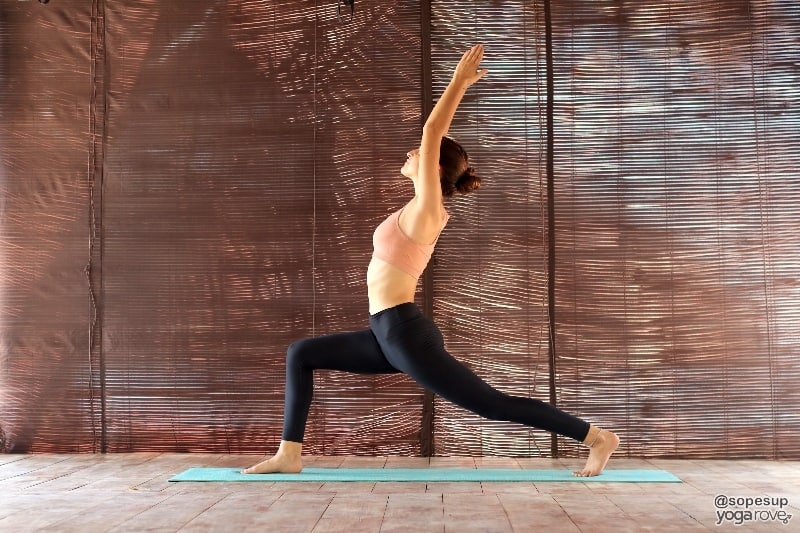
x=390, y=244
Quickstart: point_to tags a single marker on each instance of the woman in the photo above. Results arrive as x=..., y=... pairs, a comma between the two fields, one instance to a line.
x=399, y=338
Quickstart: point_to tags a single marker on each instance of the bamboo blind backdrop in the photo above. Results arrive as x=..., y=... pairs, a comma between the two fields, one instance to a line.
x=676, y=133
x=188, y=186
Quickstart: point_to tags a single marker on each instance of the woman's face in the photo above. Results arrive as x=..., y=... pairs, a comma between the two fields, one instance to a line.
x=411, y=166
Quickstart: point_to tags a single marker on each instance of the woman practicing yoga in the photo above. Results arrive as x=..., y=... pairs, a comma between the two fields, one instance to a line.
x=400, y=338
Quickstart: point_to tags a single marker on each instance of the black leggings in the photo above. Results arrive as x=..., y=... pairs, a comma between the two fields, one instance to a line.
x=401, y=339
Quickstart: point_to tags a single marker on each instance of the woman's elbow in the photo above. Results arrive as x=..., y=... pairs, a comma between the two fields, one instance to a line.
x=433, y=130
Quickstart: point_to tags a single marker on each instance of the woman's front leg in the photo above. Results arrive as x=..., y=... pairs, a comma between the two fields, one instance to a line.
x=356, y=352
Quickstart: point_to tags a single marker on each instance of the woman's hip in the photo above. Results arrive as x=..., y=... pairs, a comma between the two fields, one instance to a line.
x=403, y=332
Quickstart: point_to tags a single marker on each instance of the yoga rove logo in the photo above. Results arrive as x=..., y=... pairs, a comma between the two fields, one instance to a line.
x=741, y=510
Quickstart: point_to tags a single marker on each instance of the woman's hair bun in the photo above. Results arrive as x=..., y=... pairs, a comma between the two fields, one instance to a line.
x=468, y=181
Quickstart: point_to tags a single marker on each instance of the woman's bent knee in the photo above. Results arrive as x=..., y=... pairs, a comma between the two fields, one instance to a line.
x=297, y=353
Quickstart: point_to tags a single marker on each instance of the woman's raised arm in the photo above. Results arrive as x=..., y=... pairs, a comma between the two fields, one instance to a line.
x=466, y=73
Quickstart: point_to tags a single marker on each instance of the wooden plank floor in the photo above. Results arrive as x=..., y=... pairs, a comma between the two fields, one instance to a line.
x=130, y=493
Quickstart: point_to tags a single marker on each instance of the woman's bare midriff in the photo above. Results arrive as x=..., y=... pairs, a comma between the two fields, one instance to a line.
x=388, y=286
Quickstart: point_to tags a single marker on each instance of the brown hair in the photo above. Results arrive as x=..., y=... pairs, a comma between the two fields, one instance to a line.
x=457, y=174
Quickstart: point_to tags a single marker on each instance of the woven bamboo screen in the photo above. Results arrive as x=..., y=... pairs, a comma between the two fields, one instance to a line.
x=188, y=186
x=676, y=134
x=490, y=289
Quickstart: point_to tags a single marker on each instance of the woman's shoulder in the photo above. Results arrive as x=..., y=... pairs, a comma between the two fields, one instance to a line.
x=423, y=210
x=422, y=224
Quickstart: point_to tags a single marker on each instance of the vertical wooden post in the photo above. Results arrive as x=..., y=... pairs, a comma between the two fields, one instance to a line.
x=551, y=216
x=426, y=431
x=94, y=267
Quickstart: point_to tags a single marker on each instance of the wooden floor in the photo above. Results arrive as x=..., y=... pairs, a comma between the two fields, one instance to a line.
x=130, y=492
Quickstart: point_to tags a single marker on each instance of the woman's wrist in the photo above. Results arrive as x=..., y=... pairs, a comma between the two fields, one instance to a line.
x=459, y=84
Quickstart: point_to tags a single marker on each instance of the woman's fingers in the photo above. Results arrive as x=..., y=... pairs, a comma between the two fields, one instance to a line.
x=467, y=68
x=474, y=54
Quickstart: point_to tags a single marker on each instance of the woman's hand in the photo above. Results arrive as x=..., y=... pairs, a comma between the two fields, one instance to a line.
x=467, y=71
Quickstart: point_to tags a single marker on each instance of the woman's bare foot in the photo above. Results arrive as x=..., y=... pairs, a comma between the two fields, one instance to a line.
x=602, y=444
x=287, y=460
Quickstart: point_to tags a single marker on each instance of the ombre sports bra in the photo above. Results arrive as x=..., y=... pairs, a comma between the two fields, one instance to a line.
x=390, y=244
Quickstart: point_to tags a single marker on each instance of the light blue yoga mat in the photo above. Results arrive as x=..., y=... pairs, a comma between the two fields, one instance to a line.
x=427, y=475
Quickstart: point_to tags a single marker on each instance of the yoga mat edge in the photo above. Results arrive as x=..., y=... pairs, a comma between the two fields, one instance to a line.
x=427, y=475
